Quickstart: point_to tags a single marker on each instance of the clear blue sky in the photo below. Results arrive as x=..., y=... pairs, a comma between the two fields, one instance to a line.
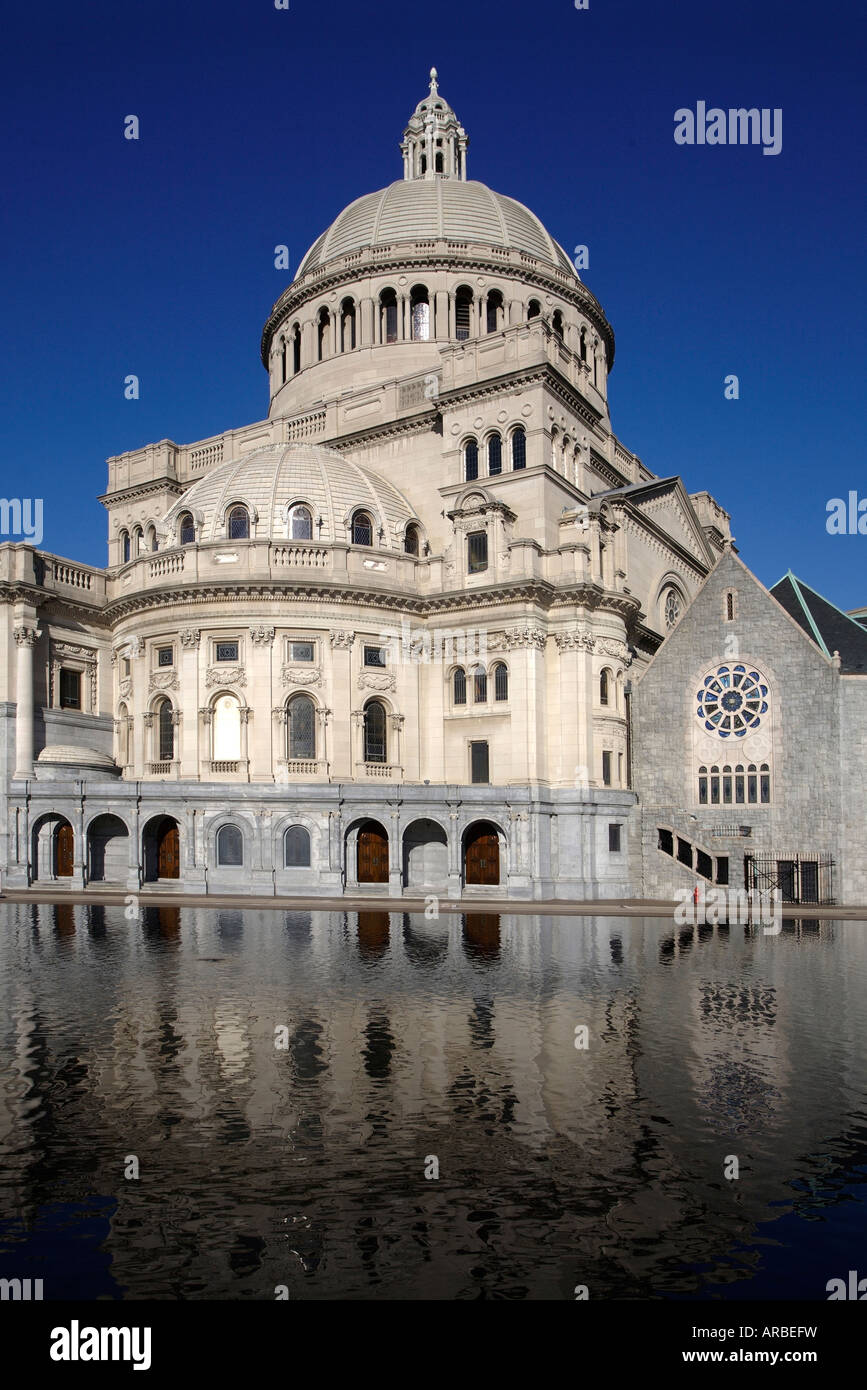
x=258, y=125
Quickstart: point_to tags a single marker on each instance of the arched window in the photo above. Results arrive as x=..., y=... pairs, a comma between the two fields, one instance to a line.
x=501, y=681
x=463, y=312
x=519, y=448
x=555, y=446
x=125, y=550
x=165, y=731
x=604, y=687
x=302, y=727
x=239, y=524
x=300, y=524
x=151, y=541
x=388, y=316
x=283, y=360
x=460, y=686
x=323, y=326
x=557, y=322
x=296, y=848
x=226, y=729
x=347, y=325
x=583, y=344
x=230, y=846
x=420, y=307
x=296, y=349
x=471, y=461
x=375, y=743
x=137, y=541
x=410, y=540
x=480, y=686
x=188, y=529
x=495, y=454
x=534, y=309
x=494, y=311
x=595, y=362
x=439, y=164
x=362, y=529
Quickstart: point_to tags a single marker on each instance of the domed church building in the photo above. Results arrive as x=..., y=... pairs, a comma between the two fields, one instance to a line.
x=391, y=637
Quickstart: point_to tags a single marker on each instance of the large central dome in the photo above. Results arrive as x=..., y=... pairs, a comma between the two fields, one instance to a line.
x=438, y=209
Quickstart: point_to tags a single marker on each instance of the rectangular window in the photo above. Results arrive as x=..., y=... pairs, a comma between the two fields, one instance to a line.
x=766, y=787
x=606, y=769
x=722, y=869
x=786, y=879
x=70, y=689
x=301, y=651
x=125, y=667
x=227, y=651
x=479, y=762
x=727, y=788
x=809, y=881
x=391, y=323
x=620, y=769
x=684, y=852
x=752, y=788
x=374, y=656
x=702, y=791
x=165, y=656
x=477, y=551
x=614, y=839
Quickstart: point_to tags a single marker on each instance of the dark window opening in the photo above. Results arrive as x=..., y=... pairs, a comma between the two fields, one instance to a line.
x=479, y=763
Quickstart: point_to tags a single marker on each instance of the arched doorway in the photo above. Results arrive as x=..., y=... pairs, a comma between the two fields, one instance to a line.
x=482, y=854
x=161, y=849
x=64, y=849
x=107, y=850
x=425, y=855
x=53, y=848
x=372, y=853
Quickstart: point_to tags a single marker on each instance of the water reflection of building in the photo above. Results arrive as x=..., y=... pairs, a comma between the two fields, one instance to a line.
x=408, y=1037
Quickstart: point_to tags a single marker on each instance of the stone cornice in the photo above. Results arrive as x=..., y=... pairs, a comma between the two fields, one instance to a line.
x=147, y=488
x=586, y=594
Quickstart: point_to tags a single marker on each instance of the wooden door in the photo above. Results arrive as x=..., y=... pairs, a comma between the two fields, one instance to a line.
x=482, y=861
x=63, y=851
x=372, y=855
x=168, y=851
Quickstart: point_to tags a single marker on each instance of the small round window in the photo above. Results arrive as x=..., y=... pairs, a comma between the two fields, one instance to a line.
x=732, y=701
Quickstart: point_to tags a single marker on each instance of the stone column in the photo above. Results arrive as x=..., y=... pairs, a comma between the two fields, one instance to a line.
x=261, y=767
x=342, y=699
x=245, y=740
x=188, y=751
x=25, y=638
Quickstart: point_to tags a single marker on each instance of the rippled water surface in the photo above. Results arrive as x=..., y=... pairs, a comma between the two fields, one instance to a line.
x=287, y=1080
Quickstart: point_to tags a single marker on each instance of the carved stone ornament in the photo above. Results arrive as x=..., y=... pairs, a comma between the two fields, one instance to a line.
x=524, y=637
x=163, y=680
x=576, y=641
x=262, y=636
x=190, y=638
x=342, y=640
x=376, y=680
x=125, y=687
x=225, y=675
x=300, y=675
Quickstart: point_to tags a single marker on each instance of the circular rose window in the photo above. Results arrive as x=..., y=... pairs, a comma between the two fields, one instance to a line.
x=732, y=700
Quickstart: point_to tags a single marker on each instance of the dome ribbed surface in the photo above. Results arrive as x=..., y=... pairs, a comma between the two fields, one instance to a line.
x=275, y=476
x=431, y=210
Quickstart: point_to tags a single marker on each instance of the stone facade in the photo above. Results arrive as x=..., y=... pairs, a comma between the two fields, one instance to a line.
x=392, y=633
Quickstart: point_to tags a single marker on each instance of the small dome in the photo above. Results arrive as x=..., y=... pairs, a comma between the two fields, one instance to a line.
x=59, y=761
x=269, y=480
x=453, y=210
